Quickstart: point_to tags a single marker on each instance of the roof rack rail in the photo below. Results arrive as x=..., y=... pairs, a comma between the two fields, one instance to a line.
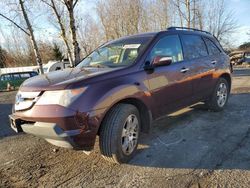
x=186, y=28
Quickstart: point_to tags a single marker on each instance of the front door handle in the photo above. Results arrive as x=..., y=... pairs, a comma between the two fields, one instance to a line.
x=183, y=70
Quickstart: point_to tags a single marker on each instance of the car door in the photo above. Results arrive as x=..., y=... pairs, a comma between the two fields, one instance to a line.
x=215, y=59
x=170, y=86
x=195, y=52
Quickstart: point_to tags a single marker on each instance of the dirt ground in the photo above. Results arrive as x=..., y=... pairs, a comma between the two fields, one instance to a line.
x=190, y=148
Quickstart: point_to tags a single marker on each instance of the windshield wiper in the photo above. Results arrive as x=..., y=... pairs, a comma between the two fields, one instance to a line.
x=97, y=66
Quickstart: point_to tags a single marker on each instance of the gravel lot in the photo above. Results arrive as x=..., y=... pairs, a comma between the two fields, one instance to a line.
x=190, y=148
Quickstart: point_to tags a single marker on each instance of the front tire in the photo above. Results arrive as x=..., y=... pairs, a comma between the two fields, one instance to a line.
x=219, y=98
x=119, y=133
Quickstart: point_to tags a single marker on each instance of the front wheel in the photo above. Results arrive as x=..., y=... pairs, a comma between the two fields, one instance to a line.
x=119, y=133
x=220, y=96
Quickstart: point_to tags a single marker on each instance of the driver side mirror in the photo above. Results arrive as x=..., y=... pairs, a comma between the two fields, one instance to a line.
x=162, y=61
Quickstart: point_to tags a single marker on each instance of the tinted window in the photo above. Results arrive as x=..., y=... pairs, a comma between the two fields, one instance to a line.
x=247, y=55
x=25, y=75
x=6, y=77
x=15, y=76
x=194, y=47
x=120, y=53
x=212, y=48
x=169, y=46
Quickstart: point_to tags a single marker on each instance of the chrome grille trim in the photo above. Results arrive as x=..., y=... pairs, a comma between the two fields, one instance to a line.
x=25, y=100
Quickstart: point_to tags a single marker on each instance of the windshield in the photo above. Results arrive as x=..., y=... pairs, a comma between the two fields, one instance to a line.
x=118, y=54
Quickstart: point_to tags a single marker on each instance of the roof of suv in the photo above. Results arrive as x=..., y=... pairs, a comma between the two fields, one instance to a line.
x=179, y=30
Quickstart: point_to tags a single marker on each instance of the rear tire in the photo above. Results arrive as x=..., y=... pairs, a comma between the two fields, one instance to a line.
x=219, y=98
x=119, y=133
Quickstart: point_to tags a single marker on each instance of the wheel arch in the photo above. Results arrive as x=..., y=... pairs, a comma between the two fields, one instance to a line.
x=145, y=113
x=228, y=78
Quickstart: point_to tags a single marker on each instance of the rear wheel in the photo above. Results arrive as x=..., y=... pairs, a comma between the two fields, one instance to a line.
x=220, y=96
x=119, y=133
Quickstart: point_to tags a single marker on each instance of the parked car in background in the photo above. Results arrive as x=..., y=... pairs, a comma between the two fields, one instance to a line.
x=240, y=57
x=15, y=79
x=55, y=65
x=122, y=86
x=246, y=58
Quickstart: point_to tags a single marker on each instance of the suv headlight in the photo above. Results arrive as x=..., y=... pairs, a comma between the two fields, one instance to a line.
x=60, y=97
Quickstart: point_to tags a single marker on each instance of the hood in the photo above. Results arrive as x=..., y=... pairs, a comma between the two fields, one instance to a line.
x=60, y=79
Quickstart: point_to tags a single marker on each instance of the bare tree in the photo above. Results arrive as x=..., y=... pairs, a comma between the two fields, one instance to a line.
x=32, y=37
x=70, y=4
x=28, y=32
x=90, y=34
x=220, y=21
x=187, y=11
x=62, y=26
x=116, y=24
x=74, y=54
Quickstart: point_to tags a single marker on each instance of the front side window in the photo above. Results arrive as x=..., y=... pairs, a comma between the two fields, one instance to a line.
x=194, y=47
x=212, y=48
x=168, y=46
x=118, y=54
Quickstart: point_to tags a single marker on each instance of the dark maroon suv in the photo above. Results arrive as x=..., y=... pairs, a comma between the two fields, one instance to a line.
x=116, y=91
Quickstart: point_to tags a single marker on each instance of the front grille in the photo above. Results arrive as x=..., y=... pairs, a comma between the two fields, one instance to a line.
x=25, y=100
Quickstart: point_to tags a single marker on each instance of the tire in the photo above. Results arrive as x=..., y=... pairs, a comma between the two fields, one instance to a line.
x=220, y=95
x=114, y=139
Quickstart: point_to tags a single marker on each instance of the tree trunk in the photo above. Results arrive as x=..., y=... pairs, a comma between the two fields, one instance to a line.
x=32, y=37
x=74, y=39
x=70, y=6
x=189, y=13
x=179, y=11
x=63, y=32
x=194, y=13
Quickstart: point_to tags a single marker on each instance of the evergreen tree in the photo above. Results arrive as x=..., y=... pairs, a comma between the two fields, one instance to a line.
x=57, y=53
x=245, y=46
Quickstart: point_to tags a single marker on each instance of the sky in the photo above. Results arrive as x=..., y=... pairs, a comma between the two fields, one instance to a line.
x=240, y=9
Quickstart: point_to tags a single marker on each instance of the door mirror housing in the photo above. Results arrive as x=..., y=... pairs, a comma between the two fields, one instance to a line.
x=157, y=62
x=162, y=61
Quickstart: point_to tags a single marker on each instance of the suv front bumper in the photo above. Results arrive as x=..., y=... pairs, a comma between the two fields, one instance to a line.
x=59, y=126
x=51, y=132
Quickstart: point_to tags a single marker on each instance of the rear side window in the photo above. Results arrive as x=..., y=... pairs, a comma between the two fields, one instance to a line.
x=6, y=77
x=33, y=74
x=25, y=75
x=16, y=76
x=168, y=46
x=212, y=48
x=194, y=47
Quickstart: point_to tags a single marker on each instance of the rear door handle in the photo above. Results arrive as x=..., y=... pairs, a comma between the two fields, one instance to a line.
x=183, y=70
x=213, y=62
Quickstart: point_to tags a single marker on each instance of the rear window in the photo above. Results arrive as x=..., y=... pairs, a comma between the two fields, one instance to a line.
x=212, y=48
x=194, y=47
